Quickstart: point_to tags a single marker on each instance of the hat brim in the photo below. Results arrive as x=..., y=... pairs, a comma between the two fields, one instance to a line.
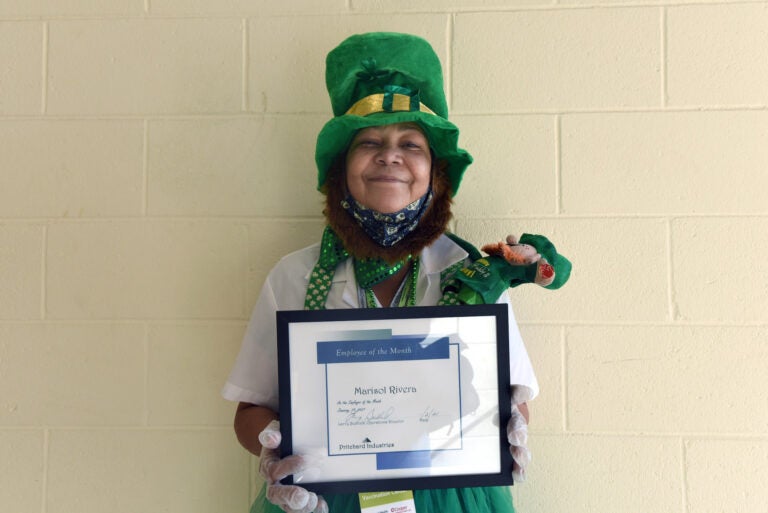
x=443, y=137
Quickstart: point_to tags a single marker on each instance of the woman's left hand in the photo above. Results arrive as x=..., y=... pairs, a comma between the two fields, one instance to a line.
x=517, y=435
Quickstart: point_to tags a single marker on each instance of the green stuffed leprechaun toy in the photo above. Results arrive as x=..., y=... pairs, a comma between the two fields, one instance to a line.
x=532, y=259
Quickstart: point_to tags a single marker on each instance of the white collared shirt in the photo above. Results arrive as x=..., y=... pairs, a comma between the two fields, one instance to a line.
x=254, y=376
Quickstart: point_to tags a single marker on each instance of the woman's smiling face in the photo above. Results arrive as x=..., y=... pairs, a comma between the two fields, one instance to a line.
x=389, y=167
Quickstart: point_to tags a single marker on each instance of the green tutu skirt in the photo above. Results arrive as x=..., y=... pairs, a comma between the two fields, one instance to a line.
x=450, y=500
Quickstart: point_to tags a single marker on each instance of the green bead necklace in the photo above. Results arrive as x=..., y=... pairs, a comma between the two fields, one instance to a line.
x=406, y=293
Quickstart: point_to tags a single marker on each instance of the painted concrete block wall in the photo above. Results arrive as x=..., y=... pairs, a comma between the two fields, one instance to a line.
x=156, y=158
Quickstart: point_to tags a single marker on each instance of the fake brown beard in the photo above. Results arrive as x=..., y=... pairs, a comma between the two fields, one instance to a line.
x=360, y=245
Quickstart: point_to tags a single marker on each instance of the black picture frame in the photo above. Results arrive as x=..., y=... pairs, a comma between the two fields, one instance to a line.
x=299, y=376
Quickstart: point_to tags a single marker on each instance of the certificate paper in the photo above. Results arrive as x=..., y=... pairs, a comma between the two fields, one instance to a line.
x=396, y=398
x=371, y=409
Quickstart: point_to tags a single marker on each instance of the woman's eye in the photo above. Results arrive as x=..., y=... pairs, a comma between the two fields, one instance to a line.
x=412, y=145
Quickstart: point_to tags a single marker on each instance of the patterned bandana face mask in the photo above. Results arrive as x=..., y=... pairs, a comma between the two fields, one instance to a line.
x=387, y=229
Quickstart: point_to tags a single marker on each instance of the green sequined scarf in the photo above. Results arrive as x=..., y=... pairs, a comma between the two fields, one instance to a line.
x=368, y=271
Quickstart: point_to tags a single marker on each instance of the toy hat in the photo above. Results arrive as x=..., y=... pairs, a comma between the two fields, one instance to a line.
x=381, y=78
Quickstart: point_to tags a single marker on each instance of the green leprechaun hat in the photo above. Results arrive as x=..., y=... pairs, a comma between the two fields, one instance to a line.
x=381, y=78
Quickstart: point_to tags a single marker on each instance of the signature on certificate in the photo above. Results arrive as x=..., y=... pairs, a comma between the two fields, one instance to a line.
x=429, y=412
x=363, y=415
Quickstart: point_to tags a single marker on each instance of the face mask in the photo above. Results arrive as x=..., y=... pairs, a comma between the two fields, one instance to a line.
x=387, y=229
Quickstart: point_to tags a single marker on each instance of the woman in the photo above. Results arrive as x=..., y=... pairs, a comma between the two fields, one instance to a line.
x=389, y=165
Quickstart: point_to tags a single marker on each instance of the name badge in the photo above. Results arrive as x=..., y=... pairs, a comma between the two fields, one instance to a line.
x=387, y=502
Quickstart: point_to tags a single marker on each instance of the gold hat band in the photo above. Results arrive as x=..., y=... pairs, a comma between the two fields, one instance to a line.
x=375, y=103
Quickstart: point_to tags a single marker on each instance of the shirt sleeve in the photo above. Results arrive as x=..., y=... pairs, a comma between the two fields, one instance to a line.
x=253, y=378
x=521, y=375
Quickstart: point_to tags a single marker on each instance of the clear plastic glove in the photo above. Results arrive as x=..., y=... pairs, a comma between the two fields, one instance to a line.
x=517, y=435
x=289, y=498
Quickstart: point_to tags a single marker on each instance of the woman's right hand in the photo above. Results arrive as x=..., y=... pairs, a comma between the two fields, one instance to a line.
x=289, y=498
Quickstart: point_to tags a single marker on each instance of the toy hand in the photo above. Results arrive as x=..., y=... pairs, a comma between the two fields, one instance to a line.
x=517, y=435
x=545, y=273
x=289, y=498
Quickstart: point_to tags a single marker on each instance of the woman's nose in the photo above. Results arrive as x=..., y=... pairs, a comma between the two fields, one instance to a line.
x=389, y=155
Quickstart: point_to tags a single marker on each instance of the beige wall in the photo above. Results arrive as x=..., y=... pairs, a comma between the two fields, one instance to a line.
x=156, y=159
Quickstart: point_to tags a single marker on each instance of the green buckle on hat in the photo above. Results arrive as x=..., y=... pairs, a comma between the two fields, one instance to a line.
x=393, y=99
x=389, y=98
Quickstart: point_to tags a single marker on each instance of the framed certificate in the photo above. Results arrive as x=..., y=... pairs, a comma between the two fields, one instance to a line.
x=396, y=398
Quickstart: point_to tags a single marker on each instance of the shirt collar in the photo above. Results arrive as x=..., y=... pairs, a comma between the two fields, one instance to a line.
x=442, y=254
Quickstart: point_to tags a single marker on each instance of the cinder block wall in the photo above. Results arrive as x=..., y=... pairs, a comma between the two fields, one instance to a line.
x=156, y=158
